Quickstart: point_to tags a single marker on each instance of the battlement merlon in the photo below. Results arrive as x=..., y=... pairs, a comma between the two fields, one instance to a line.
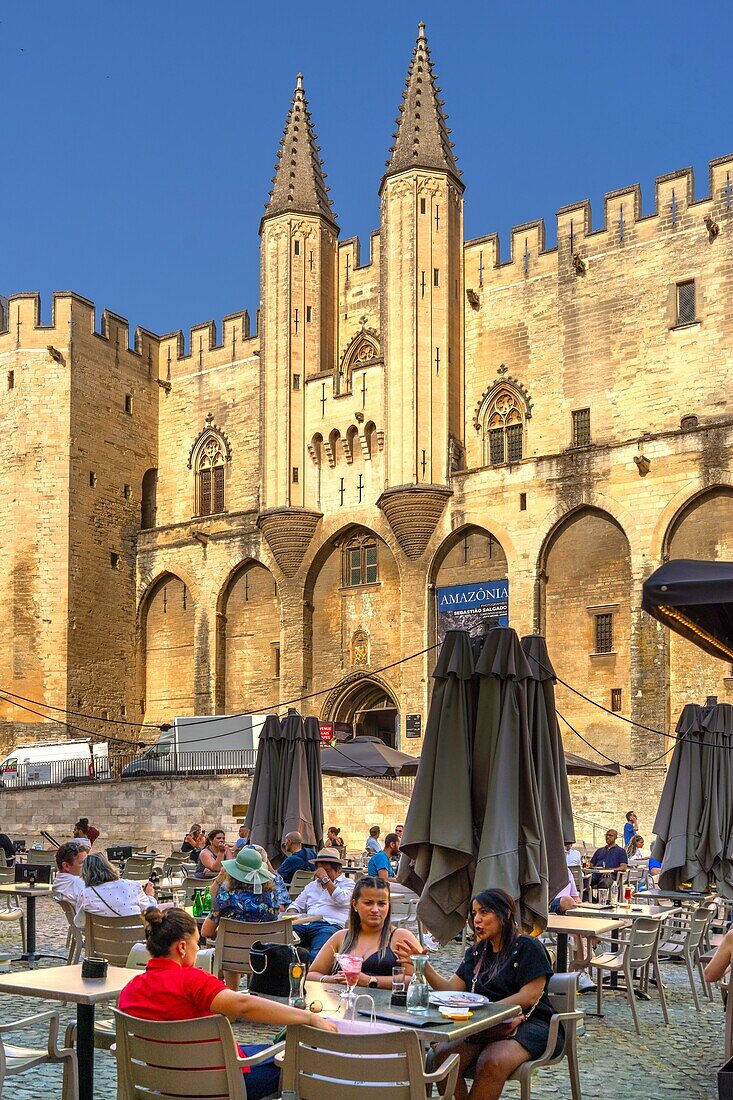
x=674, y=200
x=237, y=342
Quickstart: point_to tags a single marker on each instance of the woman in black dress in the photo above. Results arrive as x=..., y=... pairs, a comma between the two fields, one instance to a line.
x=368, y=934
x=506, y=967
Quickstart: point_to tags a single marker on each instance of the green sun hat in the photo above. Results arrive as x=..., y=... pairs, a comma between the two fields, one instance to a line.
x=249, y=868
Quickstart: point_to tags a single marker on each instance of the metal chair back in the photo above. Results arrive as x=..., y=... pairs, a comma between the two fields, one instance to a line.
x=139, y=868
x=387, y=1066
x=178, y=1059
x=298, y=881
x=112, y=937
x=234, y=939
x=642, y=940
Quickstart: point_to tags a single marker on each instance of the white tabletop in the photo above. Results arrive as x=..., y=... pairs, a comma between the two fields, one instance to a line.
x=65, y=983
x=22, y=889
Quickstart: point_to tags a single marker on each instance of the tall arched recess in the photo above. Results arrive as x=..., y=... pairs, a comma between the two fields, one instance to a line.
x=248, y=641
x=167, y=616
x=585, y=613
x=470, y=555
x=702, y=530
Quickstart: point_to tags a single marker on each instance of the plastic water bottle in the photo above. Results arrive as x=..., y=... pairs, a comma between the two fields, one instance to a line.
x=614, y=892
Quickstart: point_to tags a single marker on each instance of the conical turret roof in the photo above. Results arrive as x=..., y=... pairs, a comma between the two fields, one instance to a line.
x=422, y=140
x=298, y=185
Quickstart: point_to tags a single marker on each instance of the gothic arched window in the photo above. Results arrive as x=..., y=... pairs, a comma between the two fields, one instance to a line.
x=503, y=423
x=210, y=478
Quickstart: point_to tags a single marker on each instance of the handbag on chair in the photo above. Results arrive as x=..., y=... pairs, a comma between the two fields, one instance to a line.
x=270, y=967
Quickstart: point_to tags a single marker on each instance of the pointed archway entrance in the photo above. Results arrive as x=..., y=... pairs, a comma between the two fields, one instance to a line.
x=368, y=704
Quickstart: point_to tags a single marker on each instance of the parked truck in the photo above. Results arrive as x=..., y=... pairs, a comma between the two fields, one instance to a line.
x=45, y=764
x=204, y=744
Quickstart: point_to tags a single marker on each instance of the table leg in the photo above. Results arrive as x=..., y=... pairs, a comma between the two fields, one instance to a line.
x=562, y=953
x=85, y=1050
x=30, y=929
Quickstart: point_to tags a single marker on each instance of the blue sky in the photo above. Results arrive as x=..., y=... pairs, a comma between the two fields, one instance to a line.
x=139, y=138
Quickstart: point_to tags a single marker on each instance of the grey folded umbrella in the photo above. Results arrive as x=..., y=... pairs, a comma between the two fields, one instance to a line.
x=262, y=819
x=578, y=765
x=678, y=817
x=294, y=809
x=315, y=783
x=505, y=795
x=437, y=842
x=549, y=762
x=367, y=756
x=715, y=847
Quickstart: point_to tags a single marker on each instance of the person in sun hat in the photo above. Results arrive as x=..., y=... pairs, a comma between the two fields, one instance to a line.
x=246, y=893
x=328, y=897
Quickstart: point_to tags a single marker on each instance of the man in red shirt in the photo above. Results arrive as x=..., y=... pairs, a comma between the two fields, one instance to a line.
x=173, y=988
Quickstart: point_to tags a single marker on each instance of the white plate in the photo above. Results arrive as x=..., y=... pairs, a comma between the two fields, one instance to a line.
x=458, y=1000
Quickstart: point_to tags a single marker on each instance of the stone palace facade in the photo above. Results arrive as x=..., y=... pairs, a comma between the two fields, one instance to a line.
x=244, y=518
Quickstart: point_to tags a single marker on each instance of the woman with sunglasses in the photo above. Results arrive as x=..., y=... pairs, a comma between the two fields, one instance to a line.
x=370, y=935
x=508, y=968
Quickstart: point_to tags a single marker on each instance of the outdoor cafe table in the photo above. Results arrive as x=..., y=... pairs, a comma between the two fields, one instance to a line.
x=65, y=983
x=31, y=894
x=441, y=1030
x=568, y=924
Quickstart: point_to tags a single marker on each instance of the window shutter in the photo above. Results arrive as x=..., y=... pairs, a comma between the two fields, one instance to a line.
x=686, y=303
x=205, y=493
x=218, y=472
x=496, y=446
x=514, y=442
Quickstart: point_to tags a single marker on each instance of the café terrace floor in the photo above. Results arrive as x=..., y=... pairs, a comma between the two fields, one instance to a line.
x=680, y=1060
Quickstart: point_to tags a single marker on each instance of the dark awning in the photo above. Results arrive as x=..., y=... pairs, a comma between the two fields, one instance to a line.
x=695, y=599
x=578, y=765
x=366, y=756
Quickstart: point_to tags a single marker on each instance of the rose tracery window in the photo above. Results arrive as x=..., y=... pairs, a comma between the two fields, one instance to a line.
x=503, y=424
x=210, y=478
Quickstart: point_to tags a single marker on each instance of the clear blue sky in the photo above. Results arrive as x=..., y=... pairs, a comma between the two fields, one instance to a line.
x=138, y=138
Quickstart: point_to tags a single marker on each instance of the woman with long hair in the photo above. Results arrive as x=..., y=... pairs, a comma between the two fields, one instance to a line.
x=213, y=854
x=368, y=934
x=172, y=988
x=634, y=849
x=106, y=893
x=508, y=968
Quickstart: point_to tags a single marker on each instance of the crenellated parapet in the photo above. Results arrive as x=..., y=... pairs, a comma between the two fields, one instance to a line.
x=676, y=210
x=204, y=349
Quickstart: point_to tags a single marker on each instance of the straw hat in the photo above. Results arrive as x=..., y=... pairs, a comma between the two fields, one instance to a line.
x=329, y=855
x=248, y=867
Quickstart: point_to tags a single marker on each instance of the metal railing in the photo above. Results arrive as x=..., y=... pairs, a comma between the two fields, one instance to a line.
x=401, y=785
x=127, y=766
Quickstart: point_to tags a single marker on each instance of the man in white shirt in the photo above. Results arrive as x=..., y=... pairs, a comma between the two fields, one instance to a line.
x=68, y=884
x=328, y=897
x=574, y=858
x=372, y=844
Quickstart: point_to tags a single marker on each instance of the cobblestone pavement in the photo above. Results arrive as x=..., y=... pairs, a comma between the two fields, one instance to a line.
x=615, y=1063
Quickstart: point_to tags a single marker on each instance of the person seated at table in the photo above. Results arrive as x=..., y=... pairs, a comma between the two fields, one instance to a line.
x=85, y=832
x=281, y=891
x=194, y=842
x=368, y=934
x=244, y=838
x=328, y=897
x=635, y=849
x=564, y=902
x=372, y=841
x=297, y=857
x=214, y=852
x=335, y=840
x=380, y=864
x=721, y=960
x=511, y=969
x=68, y=884
x=573, y=856
x=109, y=895
x=247, y=893
x=612, y=857
x=173, y=988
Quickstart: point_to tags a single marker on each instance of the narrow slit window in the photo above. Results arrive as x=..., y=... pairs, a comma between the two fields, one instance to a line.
x=581, y=428
x=11, y=379
x=604, y=632
x=128, y=404
x=276, y=661
x=114, y=561
x=296, y=248
x=522, y=502
x=422, y=206
x=92, y=479
x=309, y=314
x=127, y=491
x=436, y=276
x=296, y=475
x=686, y=302
x=296, y=381
x=616, y=700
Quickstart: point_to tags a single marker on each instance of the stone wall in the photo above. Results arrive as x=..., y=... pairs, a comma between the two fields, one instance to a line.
x=159, y=812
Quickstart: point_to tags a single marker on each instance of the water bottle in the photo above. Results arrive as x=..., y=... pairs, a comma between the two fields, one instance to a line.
x=614, y=892
x=418, y=993
x=296, y=998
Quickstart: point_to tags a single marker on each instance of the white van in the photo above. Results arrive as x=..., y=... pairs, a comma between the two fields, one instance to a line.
x=55, y=762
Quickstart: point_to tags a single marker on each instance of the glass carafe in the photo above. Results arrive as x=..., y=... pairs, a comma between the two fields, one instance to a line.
x=418, y=992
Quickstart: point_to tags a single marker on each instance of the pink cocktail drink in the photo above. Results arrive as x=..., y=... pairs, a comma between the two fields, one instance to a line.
x=351, y=968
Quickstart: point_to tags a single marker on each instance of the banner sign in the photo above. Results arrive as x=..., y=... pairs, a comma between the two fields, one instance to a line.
x=473, y=607
x=326, y=729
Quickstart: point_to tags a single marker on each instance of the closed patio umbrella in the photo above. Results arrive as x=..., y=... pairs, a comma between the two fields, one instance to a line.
x=505, y=796
x=715, y=847
x=261, y=817
x=315, y=783
x=549, y=762
x=437, y=842
x=678, y=818
x=578, y=765
x=294, y=808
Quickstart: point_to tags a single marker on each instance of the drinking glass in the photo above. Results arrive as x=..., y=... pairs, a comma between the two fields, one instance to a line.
x=603, y=896
x=351, y=969
x=398, y=979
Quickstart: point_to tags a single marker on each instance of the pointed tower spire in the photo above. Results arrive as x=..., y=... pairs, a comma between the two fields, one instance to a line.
x=298, y=185
x=422, y=140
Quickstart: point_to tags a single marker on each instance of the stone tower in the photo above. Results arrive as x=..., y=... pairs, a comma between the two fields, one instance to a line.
x=298, y=296
x=422, y=309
